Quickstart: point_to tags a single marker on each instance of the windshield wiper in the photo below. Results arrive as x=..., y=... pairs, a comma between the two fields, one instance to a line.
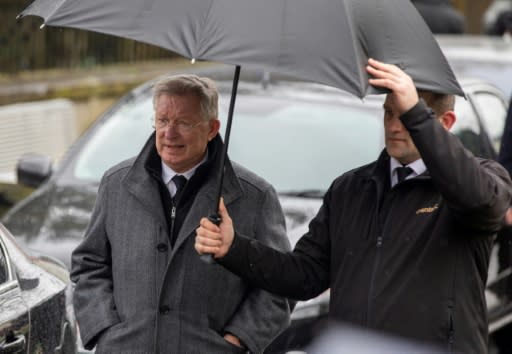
x=306, y=193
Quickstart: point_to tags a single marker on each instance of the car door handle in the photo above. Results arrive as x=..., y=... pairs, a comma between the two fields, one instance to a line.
x=16, y=344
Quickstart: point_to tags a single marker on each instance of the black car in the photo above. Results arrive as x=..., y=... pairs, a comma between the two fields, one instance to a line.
x=36, y=313
x=299, y=136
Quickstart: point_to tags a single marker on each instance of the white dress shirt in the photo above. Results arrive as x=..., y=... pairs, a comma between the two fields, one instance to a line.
x=168, y=173
x=418, y=167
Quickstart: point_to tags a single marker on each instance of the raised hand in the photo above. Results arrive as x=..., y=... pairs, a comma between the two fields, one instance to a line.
x=403, y=91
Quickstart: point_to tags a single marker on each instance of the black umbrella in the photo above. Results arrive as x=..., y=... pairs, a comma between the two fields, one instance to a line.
x=326, y=41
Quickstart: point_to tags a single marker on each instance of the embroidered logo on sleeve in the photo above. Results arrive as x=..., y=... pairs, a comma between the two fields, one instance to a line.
x=427, y=210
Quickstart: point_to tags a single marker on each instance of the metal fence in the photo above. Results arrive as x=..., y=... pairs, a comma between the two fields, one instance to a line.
x=23, y=46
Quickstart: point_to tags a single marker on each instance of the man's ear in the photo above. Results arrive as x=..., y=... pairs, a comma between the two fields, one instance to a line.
x=214, y=128
x=448, y=119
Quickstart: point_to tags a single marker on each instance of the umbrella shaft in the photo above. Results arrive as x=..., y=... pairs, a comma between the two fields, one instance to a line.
x=227, y=135
x=215, y=218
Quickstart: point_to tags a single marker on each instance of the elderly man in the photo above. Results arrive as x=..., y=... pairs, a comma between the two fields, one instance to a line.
x=140, y=287
x=404, y=242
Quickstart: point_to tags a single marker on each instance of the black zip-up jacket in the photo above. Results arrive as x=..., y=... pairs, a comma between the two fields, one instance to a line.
x=409, y=260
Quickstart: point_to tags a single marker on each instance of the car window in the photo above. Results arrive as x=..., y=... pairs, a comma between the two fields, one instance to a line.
x=300, y=145
x=496, y=72
x=467, y=128
x=120, y=137
x=493, y=112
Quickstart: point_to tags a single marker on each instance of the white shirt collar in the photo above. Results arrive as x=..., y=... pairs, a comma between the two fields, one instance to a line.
x=168, y=173
x=418, y=167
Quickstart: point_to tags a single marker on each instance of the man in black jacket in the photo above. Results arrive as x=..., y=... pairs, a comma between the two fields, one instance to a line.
x=503, y=338
x=505, y=158
x=408, y=258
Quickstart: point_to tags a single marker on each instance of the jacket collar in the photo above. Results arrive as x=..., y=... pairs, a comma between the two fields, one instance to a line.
x=144, y=186
x=379, y=170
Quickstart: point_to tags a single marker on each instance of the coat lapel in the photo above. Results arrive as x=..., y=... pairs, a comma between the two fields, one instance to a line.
x=204, y=203
x=144, y=187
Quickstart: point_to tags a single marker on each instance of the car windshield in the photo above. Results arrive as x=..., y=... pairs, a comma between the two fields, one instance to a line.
x=119, y=137
x=299, y=144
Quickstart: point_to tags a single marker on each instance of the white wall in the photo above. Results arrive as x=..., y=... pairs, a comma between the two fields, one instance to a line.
x=46, y=127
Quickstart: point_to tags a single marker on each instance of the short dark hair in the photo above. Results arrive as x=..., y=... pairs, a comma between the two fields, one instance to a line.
x=438, y=102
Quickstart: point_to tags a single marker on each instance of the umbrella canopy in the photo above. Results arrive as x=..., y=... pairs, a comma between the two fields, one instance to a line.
x=326, y=41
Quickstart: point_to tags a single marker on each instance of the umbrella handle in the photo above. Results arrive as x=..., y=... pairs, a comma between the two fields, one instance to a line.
x=207, y=257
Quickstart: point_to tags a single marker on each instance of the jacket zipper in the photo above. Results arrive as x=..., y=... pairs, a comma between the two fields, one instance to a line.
x=173, y=216
x=369, y=308
x=376, y=263
x=378, y=245
x=451, y=329
x=157, y=339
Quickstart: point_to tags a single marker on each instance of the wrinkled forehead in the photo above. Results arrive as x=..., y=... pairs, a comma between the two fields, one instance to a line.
x=166, y=103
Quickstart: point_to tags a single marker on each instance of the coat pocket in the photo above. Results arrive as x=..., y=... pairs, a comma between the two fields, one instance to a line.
x=224, y=346
x=225, y=293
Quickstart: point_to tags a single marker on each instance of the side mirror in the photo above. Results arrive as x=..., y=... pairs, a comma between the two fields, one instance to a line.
x=33, y=169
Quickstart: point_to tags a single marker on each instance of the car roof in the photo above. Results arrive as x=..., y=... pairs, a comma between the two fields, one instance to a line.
x=261, y=82
x=476, y=47
x=485, y=57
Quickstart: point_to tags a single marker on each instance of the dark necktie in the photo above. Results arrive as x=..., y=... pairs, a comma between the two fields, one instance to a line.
x=402, y=173
x=179, y=182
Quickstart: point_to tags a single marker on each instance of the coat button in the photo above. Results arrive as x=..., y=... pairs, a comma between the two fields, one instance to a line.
x=164, y=310
x=161, y=247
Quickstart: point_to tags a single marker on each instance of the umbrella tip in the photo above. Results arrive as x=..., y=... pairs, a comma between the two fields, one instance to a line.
x=193, y=61
x=42, y=26
x=18, y=17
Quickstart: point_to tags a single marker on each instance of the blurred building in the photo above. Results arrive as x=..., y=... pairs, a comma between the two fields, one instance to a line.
x=473, y=10
x=24, y=46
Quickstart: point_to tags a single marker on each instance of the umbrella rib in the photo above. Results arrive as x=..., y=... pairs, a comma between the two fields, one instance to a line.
x=48, y=17
x=355, y=34
x=198, y=43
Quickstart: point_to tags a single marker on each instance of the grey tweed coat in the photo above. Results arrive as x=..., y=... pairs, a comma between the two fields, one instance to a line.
x=136, y=294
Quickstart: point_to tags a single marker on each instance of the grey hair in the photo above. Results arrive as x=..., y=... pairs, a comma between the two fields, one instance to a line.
x=184, y=85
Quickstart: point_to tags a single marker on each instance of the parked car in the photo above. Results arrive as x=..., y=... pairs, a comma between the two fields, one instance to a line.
x=312, y=132
x=36, y=312
x=485, y=57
